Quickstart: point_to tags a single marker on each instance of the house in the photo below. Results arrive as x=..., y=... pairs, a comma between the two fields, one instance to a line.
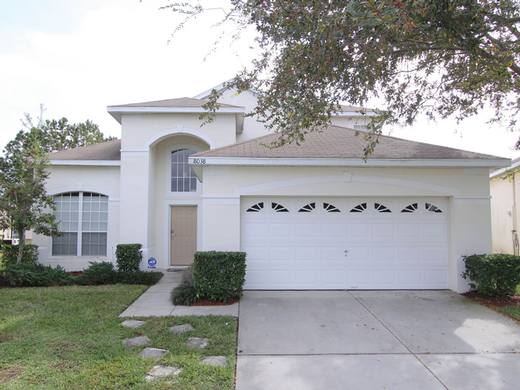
x=309, y=216
x=505, y=203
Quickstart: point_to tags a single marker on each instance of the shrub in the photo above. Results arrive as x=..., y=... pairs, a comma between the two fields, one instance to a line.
x=10, y=252
x=139, y=277
x=34, y=275
x=129, y=257
x=219, y=276
x=184, y=294
x=98, y=273
x=493, y=275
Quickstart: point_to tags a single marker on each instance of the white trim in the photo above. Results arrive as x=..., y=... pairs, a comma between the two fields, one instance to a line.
x=499, y=172
x=356, y=113
x=352, y=162
x=179, y=130
x=109, y=163
x=117, y=111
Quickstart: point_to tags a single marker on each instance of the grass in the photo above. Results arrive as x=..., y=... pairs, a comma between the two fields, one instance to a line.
x=512, y=310
x=70, y=337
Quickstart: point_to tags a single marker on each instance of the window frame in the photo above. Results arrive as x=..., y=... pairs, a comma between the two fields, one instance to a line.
x=79, y=227
x=192, y=175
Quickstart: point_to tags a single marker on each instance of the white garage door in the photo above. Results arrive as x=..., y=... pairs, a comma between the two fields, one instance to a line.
x=345, y=243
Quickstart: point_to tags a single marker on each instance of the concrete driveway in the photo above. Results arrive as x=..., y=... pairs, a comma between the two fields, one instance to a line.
x=373, y=340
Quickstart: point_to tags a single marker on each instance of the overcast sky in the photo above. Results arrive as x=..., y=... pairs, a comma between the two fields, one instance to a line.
x=77, y=57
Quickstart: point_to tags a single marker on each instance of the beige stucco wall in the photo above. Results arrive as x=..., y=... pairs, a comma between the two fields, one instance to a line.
x=103, y=180
x=467, y=191
x=502, y=211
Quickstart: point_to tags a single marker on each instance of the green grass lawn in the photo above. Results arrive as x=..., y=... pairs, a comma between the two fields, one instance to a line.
x=70, y=337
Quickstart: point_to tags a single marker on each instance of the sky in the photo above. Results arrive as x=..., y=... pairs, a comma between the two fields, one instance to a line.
x=77, y=57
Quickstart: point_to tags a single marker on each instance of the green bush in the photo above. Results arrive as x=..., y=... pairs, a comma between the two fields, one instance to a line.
x=493, y=275
x=34, y=275
x=129, y=257
x=184, y=294
x=98, y=273
x=10, y=252
x=219, y=276
x=139, y=277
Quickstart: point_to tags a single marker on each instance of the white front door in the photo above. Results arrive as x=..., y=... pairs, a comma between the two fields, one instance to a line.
x=345, y=243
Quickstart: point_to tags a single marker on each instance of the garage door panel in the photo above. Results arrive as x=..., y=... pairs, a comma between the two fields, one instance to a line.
x=306, y=250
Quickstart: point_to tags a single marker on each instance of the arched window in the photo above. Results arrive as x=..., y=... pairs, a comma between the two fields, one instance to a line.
x=183, y=178
x=82, y=223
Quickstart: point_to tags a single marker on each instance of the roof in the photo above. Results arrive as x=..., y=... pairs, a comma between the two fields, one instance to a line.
x=177, y=102
x=343, y=143
x=105, y=151
x=515, y=164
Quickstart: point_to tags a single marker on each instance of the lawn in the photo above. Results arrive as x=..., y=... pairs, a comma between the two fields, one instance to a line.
x=71, y=337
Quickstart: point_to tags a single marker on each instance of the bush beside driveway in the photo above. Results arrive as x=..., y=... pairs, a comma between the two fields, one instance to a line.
x=71, y=337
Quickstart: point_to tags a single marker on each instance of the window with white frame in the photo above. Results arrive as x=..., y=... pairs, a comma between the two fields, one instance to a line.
x=183, y=177
x=82, y=223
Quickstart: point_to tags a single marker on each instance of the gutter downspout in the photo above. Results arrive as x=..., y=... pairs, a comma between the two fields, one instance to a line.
x=514, y=232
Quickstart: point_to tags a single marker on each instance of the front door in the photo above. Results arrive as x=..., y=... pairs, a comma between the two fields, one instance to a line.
x=183, y=240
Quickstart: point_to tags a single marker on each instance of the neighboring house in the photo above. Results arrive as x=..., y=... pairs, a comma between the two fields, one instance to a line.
x=9, y=236
x=314, y=216
x=505, y=203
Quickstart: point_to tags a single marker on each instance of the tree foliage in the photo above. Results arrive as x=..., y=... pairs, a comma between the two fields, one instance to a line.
x=24, y=204
x=440, y=58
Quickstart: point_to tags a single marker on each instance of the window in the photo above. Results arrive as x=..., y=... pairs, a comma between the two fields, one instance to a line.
x=82, y=223
x=359, y=208
x=382, y=208
x=307, y=208
x=277, y=207
x=256, y=208
x=330, y=208
x=183, y=178
x=410, y=208
x=432, y=208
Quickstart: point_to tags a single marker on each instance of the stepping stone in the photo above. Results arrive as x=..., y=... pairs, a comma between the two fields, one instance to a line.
x=132, y=324
x=139, y=341
x=153, y=353
x=179, y=329
x=215, y=361
x=197, y=342
x=158, y=372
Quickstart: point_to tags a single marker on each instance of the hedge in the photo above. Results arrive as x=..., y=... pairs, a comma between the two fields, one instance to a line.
x=128, y=257
x=10, y=252
x=219, y=276
x=493, y=275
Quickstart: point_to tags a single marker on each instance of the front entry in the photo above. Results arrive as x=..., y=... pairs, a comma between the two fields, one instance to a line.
x=183, y=236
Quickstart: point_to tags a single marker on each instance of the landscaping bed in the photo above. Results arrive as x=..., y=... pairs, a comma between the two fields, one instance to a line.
x=72, y=337
x=509, y=306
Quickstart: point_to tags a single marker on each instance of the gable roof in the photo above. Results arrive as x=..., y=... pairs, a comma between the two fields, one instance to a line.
x=104, y=151
x=176, y=102
x=343, y=143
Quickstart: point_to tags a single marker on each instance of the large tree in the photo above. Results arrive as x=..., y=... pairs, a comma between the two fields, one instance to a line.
x=24, y=203
x=440, y=58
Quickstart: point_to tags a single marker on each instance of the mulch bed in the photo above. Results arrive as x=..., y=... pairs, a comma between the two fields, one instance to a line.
x=494, y=302
x=205, y=302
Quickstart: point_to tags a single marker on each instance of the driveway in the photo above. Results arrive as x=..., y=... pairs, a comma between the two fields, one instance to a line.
x=309, y=340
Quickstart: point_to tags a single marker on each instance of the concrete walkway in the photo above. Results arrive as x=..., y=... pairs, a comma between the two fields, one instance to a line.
x=156, y=302
x=367, y=340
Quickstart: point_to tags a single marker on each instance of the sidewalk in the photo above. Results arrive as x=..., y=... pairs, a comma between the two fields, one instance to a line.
x=156, y=302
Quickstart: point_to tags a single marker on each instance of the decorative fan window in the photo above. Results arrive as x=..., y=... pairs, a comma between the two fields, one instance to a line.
x=256, y=208
x=410, y=208
x=382, y=208
x=307, y=208
x=359, y=208
x=432, y=208
x=330, y=208
x=277, y=207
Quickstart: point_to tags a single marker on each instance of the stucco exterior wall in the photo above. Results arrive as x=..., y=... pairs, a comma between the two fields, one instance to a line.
x=103, y=180
x=505, y=192
x=467, y=191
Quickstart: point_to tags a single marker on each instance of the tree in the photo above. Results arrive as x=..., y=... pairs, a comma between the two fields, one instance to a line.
x=60, y=134
x=440, y=58
x=24, y=204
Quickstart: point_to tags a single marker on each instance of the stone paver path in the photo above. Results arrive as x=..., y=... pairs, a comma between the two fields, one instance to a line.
x=183, y=328
x=132, y=324
x=160, y=372
x=153, y=353
x=139, y=341
x=215, y=361
x=197, y=342
x=156, y=302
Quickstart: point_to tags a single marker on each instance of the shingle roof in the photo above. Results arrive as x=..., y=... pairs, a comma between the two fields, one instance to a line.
x=109, y=150
x=177, y=102
x=341, y=142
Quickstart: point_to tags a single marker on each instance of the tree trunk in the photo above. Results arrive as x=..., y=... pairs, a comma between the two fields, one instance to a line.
x=21, y=246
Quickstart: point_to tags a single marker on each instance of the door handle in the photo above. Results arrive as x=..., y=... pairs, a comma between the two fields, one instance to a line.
x=346, y=252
